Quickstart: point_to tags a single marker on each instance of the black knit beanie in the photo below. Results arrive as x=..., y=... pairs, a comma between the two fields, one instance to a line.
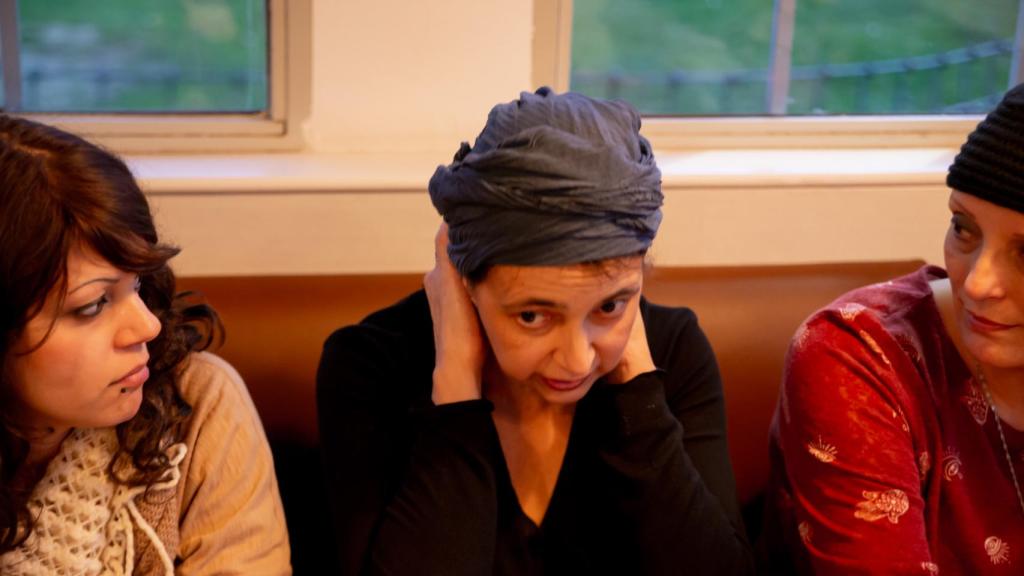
x=990, y=164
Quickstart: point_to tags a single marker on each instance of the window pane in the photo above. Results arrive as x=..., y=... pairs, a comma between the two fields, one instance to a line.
x=901, y=56
x=711, y=57
x=143, y=55
x=674, y=56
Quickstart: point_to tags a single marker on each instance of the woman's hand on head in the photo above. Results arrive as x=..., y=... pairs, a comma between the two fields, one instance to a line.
x=458, y=339
x=636, y=358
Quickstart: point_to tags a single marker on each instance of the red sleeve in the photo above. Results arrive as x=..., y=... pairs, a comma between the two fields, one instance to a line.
x=849, y=451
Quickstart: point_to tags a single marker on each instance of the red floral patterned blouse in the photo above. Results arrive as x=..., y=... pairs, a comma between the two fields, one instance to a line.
x=885, y=454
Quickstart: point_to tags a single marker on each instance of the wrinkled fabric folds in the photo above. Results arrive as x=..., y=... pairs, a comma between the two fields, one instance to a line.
x=990, y=164
x=551, y=180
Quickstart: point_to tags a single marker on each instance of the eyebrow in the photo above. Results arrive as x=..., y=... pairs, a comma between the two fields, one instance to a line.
x=104, y=279
x=958, y=207
x=629, y=291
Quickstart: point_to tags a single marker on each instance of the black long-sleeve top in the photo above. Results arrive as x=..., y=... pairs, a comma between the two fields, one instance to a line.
x=646, y=486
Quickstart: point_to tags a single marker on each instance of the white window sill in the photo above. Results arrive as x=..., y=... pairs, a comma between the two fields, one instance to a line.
x=333, y=172
x=280, y=173
x=785, y=168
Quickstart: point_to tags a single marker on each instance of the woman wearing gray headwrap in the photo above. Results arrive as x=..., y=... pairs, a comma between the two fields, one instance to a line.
x=528, y=412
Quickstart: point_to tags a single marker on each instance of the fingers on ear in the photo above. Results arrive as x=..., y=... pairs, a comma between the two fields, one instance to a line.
x=441, y=242
x=469, y=289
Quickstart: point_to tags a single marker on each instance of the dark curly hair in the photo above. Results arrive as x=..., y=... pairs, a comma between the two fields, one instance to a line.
x=57, y=191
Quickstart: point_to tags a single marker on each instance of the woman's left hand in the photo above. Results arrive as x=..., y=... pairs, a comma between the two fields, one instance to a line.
x=636, y=358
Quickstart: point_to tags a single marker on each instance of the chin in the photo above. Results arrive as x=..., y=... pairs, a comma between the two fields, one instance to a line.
x=126, y=408
x=1002, y=355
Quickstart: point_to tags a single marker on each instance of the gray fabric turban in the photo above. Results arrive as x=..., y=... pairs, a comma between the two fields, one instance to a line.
x=553, y=179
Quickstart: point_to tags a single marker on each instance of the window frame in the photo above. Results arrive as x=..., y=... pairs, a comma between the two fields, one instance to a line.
x=552, y=46
x=289, y=26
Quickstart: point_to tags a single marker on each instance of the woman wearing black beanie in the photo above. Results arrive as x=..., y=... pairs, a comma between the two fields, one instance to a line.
x=898, y=441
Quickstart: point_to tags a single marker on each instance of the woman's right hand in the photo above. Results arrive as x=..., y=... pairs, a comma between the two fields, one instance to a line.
x=458, y=339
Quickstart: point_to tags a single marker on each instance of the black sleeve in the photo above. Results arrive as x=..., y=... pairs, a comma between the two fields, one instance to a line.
x=410, y=493
x=666, y=469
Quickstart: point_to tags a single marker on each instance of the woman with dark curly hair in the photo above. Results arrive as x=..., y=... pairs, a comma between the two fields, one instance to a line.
x=123, y=448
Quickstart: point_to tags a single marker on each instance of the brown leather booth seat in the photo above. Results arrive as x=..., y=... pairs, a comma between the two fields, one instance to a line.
x=276, y=326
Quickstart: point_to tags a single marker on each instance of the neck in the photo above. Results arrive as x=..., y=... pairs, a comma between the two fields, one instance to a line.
x=1007, y=393
x=42, y=448
x=1004, y=384
x=517, y=401
x=43, y=445
x=43, y=442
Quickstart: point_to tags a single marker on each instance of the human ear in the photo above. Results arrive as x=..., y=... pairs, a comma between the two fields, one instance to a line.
x=470, y=289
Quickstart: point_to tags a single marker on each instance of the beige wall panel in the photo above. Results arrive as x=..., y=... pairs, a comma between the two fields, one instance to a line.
x=380, y=232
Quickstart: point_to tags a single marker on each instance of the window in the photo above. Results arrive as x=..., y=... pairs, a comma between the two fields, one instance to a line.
x=137, y=56
x=788, y=73
x=158, y=74
x=733, y=57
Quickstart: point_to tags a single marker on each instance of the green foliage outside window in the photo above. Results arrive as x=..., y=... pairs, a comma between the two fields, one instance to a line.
x=143, y=55
x=711, y=57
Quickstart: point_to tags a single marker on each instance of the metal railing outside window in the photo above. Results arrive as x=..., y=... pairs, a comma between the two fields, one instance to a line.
x=798, y=57
x=135, y=56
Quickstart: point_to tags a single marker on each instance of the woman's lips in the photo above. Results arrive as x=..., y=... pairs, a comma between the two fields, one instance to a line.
x=563, y=385
x=980, y=323
x=133, y=379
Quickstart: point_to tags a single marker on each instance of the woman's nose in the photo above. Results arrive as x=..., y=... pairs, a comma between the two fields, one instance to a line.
x=576, y=354
x=984, y=279
x=140, y=325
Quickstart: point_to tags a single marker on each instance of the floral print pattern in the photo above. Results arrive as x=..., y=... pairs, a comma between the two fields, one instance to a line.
x=890, y=504
x=906, y=472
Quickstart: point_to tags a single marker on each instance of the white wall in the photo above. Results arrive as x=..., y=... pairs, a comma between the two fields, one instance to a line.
x=399, y=75
x=398, y=84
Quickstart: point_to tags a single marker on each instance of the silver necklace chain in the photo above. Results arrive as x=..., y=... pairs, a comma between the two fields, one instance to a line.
x=999, y=427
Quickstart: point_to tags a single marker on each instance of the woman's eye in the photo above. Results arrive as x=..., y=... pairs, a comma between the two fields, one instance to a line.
x=612, y=307
x=959, y=227
x=531, y=318
x=93, y=308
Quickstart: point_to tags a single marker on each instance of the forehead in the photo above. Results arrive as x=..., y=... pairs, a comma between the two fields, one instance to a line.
x=984, y=210
x=85, y=263
x=569, y=282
